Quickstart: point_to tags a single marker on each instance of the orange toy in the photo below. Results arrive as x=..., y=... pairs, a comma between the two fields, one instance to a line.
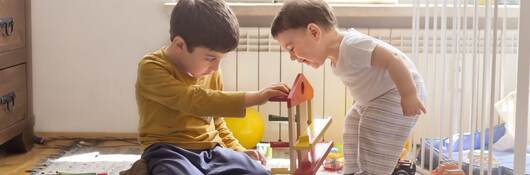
x=447, y=169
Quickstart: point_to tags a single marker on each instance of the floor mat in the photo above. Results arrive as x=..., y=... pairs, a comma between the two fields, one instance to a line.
x=92, y=156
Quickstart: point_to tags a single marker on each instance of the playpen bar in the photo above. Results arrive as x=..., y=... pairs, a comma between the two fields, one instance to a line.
x=426, y=58
x=456, y=67
x=521, y=110
x=485, y=73
x=493, y=90
x=435, y=69
x=443, y=50
x=414, y=34
x=503, y=50
x=452, y=84
x=464, y=81
x=415, y=59
x=474, y=81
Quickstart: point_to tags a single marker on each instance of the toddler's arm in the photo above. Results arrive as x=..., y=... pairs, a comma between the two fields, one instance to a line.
x=385, y=59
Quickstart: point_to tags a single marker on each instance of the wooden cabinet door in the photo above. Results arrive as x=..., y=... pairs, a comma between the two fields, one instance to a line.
x=13, y=95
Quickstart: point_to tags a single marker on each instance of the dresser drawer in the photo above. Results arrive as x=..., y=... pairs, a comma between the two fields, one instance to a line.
x=13, y=95
x=12, y=24
x=13, y=57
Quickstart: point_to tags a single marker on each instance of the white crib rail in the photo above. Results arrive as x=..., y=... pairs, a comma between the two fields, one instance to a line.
x=523, y=73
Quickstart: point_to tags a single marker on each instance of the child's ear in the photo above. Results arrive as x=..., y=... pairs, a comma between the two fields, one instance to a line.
x=180, y=45
x=314, y=31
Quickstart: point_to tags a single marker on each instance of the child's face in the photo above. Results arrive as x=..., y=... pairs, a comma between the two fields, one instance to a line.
x=202, y=61
x=304, y=45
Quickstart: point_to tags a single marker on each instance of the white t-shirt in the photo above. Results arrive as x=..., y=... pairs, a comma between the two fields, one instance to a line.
x=354, y=67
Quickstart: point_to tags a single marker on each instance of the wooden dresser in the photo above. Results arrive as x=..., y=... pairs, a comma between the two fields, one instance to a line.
x=16, y=115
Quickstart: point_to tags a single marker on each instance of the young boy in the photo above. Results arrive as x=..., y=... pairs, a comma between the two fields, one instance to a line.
x=180, y=98
x=387, y=89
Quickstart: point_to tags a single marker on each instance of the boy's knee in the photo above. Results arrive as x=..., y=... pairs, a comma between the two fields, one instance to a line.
x=253, y=166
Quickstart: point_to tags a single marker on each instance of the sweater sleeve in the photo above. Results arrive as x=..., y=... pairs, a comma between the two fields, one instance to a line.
x=157, y=84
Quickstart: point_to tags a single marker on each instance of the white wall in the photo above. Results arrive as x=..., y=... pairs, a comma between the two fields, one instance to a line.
x=85, y=55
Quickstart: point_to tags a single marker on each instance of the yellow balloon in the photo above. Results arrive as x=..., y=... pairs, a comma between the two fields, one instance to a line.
x=248, y=130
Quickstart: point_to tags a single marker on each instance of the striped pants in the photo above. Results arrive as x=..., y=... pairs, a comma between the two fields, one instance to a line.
x=374, y=134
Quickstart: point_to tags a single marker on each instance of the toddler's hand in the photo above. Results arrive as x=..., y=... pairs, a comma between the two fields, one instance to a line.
x=412, y=106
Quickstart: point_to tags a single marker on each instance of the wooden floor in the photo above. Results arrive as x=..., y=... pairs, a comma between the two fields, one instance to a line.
x=22, y=163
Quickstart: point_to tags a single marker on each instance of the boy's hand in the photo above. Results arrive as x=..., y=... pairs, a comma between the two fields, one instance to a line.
x=274, y=90
x=262, y=96
x=412, y=106
x=256, y=156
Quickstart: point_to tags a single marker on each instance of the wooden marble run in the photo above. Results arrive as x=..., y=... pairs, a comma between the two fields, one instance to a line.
x=306, y=151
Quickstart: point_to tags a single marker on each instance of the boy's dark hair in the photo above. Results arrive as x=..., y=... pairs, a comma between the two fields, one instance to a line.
x=299, y=13
x=206, y=23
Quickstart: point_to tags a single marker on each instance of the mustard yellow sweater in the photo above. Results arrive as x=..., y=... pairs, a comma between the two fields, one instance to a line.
x=179, y=109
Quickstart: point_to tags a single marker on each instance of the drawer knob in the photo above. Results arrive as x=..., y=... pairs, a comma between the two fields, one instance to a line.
x=9, y=101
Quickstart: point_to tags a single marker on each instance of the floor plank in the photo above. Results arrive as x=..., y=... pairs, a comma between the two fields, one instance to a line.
x=21, y=163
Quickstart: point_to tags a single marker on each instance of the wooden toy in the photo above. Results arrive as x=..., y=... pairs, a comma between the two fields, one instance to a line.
x=306, y=152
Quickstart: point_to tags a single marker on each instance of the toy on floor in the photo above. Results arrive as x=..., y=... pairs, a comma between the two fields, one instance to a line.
x=306, y=153
x=447, y=169
x=334, y=161
x=248, y=130
x=405, y=167
x=265, y=149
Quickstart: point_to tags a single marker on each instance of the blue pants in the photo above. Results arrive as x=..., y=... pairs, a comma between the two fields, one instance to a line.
x=167, y=159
